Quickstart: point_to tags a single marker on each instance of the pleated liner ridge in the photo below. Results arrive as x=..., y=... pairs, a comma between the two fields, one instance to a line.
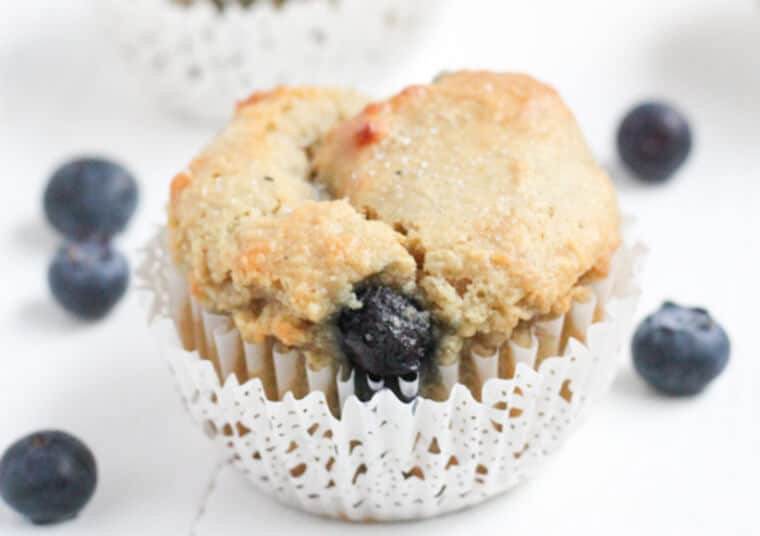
x=385, y=460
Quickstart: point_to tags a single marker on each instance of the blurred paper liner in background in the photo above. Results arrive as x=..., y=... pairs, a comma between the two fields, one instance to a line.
x=199, y=58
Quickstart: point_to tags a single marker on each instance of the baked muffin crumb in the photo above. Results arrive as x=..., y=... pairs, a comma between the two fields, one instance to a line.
x=476, y=196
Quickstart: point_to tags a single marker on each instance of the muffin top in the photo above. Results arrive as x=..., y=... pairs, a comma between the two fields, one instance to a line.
x=476, y=195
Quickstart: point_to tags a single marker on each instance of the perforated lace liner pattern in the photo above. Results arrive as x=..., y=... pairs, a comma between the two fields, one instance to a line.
x=386, y=461
x=530, y=288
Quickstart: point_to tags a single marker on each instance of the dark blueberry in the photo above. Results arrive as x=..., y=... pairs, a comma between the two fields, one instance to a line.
x=47, y=477
x=679, y=350
x=654, y=140
x=367, y=385
x=389, y=335
x=88, y=278
x=90, y=197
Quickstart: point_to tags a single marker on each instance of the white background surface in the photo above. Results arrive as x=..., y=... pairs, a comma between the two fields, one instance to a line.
x=642, y=464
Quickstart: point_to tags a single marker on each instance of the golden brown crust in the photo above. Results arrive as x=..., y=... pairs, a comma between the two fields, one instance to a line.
x=246, y=226
x=301, y=267
x=256, y=167
x=476, y=194
x=495, y=188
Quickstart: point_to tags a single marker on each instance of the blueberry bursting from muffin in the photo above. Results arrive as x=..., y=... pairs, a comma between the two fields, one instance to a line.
x=389, y=340
x=333, y=278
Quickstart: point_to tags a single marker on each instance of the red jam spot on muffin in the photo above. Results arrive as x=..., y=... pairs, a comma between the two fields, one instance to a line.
x=367, y=134
x=179, y=183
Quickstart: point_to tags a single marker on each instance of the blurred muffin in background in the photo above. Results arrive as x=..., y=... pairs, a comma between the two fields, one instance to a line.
x=197, y=56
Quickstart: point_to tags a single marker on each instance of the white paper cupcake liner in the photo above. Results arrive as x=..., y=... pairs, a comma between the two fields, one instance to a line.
x=384, y=460
x=200, y=62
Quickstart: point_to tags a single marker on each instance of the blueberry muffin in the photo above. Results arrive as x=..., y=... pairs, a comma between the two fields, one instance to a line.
x=397, y=238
